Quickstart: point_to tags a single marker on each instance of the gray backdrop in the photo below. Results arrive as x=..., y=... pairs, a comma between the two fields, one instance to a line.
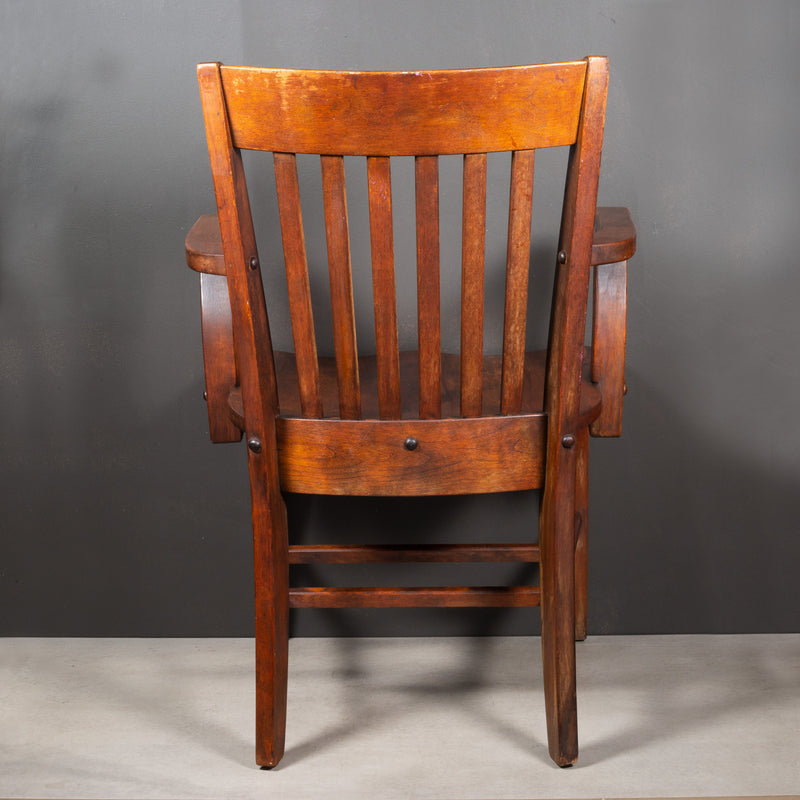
x=118, y=517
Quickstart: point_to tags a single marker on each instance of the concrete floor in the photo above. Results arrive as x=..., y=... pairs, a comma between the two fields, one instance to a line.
x=399, y=718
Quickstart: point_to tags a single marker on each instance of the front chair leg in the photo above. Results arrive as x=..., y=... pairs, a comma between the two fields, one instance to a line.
x=557, y=580
x=271, y=552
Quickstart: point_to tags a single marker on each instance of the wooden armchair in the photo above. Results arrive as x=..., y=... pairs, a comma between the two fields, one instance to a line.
x=376, y=421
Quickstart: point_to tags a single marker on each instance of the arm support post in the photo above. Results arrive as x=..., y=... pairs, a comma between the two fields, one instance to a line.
x=204, y=254
x=614, y=244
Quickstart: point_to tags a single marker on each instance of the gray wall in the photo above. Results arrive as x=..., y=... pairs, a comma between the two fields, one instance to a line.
x=118, y=517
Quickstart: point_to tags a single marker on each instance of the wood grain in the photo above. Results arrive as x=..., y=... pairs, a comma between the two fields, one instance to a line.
x=388, y=553
x=219, y=357
x=204, y=246
x=341, y=280
x=532, y=393
x=562, y=402
x=412, y=113
x=517, y=268
x=424, y=422
x=294, y=253
x=426, y=170
x=416, y=597
x=608, y=344
x=260, y=406
x=473, y=256
x=349, y=457
x=614, y=238
x=383, y=285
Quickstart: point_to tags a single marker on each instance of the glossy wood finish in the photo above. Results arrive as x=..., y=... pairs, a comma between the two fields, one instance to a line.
x=294, y=253
x=473, y=258
x=429, y=325
x=388, y=553
x=423, y=422
x=562, y=403
x=403, y=114
x=347, y=457
x=517, y=268
x=581, y=533
x=614, y=236
x=341, y=281
x=415, y=597
x=219, y=357
x=204, y=246
x=608, y=352
x=379, y=178
x=258, y=388
x=340, y=457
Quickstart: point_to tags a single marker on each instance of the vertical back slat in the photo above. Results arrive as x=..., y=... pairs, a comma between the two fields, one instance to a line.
x=517, y=267
x=426, y=170
x=473, y=254
x=341, y=278
x=383, y=286
x=294, y=251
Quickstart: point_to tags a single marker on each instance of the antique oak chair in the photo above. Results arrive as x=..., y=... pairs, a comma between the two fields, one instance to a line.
x=376, y=421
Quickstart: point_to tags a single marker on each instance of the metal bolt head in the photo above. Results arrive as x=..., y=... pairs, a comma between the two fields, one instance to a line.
x=568, y=441
x=410, y=443
x=562, y=257
x=254, y=444
x=253, y=262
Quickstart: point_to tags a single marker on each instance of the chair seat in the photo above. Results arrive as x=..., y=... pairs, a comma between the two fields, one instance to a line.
x=412, y=456
x=532, y=396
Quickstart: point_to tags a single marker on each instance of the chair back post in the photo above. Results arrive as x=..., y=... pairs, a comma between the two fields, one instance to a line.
x=260, y=402
x=571, y=286
x=248, y=306
x=565, y=438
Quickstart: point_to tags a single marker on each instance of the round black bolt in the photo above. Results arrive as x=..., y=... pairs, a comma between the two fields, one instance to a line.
x=568, y=441
x=254, y=443
x=562, y=257
x=205, y=395
x=411, y=443
x=253, y=262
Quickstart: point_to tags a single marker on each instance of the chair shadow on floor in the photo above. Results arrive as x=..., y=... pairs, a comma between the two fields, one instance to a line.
x=375, y=703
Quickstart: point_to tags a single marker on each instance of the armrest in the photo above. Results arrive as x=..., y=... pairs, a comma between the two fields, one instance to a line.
x=614, y=235
x=204, y=254
x=204, y=246
x=614, y=243
x=614, y=240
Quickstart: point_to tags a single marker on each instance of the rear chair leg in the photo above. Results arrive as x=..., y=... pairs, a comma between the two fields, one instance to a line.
x=581, y=534
x=271, y=554
x=557, y=579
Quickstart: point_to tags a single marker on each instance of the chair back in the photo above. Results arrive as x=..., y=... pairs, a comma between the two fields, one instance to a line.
x=378, y=116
